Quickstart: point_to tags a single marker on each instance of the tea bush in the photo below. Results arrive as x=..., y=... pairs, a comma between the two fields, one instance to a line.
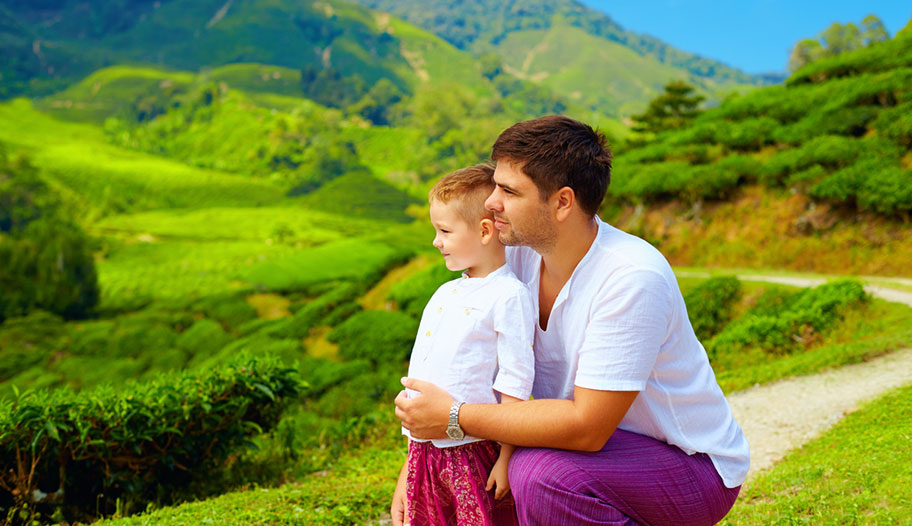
x=382, y=337
x=785, y=324
x=104, y=449
x=709, y=305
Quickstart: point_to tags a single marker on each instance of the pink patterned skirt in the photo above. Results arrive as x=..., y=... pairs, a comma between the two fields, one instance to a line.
x=446, y=486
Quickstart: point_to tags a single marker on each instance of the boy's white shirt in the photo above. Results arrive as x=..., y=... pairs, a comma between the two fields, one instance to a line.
x=476, y=337
x=620, y=324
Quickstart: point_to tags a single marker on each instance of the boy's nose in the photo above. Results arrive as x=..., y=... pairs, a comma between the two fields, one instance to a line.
x=437, y=243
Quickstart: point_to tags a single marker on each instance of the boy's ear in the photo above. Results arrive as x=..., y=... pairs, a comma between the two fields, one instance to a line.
x=487, y=230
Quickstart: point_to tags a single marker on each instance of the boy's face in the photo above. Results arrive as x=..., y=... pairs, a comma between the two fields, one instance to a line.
x=459, y=242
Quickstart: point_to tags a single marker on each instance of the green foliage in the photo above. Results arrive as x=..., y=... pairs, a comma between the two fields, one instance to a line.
x=413, y=293
x=838, y=39
x=672, y=110
x=382, y=337
x=710, y=305
x=873, y=184
x=797, y=321
x=100, y=450
x=46, y=260
x=840, y=141
x=360, y=194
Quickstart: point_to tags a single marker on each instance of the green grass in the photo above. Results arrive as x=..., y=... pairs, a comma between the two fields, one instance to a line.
x=859, y=472
x=291, y=224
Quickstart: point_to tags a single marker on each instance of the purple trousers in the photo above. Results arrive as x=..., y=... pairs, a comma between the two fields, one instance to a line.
x=633, y=480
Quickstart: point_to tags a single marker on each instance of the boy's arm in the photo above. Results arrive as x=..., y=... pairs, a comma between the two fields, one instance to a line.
x=399, y=507
x=499, y=479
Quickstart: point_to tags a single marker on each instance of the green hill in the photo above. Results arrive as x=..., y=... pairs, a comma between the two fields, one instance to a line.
x=192, y=35
x=578, y=51
x=791, y=175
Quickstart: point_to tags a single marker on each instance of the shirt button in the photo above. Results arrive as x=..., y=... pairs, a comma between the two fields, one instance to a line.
x=454, y=291
x=428, y=333
x=467, y=311
x=439, y=309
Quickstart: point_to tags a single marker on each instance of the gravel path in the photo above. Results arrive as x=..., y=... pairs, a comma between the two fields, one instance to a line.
x=781, y=416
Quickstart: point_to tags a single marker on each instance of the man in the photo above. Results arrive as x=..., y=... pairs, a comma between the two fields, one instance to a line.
x=627, y=424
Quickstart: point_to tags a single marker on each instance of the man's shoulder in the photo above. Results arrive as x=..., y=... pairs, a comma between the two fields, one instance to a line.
x=617, y=251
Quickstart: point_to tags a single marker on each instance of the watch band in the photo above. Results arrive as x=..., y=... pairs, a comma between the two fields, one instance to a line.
x=454, y=430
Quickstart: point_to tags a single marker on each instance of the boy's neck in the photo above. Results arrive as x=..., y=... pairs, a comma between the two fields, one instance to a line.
x=496, y=260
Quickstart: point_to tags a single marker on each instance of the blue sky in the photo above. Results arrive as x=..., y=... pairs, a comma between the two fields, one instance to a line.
x=753, y=35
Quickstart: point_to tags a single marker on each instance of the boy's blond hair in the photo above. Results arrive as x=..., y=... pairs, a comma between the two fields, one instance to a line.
x=467, y=189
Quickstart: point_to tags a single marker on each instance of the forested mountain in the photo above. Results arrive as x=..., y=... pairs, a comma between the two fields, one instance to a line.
x=65, y=40
x=578, y=51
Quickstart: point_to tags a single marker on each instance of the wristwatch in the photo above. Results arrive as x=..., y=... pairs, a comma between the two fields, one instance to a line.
x=453, y=430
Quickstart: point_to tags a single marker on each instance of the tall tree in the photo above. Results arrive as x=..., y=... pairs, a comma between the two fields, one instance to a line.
x=836, y=39
x=673, y=109
x=46, y=261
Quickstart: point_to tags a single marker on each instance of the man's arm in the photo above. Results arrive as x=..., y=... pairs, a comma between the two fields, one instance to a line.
x=583, y=424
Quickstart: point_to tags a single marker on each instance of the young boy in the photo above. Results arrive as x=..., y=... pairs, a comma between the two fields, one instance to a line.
x=475, y=340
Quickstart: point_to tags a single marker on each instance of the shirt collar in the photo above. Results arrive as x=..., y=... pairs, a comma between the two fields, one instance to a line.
x=499, y=271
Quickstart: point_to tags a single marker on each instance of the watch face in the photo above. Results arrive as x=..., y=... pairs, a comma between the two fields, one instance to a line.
x=455, y=433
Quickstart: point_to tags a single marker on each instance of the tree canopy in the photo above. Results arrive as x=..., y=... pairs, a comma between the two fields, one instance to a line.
x=838, y=39
x=671, y=110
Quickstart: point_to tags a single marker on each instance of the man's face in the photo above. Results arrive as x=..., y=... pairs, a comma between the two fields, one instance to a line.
x=520, y=215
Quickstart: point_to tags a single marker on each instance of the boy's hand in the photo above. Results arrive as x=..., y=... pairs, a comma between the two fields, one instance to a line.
x=498, y=478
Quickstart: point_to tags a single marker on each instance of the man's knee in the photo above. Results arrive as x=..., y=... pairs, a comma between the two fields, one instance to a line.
x=534, y=471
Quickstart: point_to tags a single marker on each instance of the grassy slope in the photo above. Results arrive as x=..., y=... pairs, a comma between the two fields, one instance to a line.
x=859, y=472
x=763, y=228
x=589, y=69
x=100, y=179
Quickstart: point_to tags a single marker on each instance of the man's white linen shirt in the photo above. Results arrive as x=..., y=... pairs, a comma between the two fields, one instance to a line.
x=620, y=324
x=475, y=337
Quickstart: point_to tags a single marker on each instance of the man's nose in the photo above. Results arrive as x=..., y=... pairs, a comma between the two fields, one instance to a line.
x=493, y=203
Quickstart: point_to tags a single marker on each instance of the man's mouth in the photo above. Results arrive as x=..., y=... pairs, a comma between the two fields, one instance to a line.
x=499, y=224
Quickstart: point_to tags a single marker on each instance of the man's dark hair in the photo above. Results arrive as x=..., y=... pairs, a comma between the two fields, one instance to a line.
x=557, y=151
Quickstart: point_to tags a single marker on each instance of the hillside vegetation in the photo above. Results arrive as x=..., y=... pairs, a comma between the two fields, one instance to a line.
x=821, y=163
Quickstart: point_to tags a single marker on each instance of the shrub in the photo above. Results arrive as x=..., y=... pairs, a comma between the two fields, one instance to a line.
x=101, y=449
x=830, y=151
x=382, y=337
x=781, y=326
x=709, y=305
x=412, y=294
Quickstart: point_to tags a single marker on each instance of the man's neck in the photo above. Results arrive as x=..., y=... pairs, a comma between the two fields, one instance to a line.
x=573, y=241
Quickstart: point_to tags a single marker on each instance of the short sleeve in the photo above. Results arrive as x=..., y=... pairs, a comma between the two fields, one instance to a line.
x=514, y=323
x=628, y=323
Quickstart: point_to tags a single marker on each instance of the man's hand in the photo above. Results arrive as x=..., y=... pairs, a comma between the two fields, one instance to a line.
x=426, y=415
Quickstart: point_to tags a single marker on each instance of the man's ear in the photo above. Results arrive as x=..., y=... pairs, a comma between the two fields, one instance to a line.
x=565, y=200
x=487, y=230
